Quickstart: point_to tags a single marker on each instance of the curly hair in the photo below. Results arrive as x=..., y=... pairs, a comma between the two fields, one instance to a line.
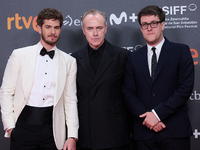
x=49, y=13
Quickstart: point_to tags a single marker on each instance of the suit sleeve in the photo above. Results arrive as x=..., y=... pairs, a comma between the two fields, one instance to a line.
x=131, y=100
x=185, y=83
x=8, y=90
x=71, y=102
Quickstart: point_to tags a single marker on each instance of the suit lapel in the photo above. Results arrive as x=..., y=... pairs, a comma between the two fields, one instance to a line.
x=165, y=52
x=29, y=70
x=85, y=62
x=61, y=76
x=105, y=62
x=144, y=65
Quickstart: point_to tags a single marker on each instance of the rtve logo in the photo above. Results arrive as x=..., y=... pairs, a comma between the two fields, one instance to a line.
x=21, y=22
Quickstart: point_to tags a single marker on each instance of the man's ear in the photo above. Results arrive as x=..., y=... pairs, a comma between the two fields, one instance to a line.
x=39, y=29
x=83, y=30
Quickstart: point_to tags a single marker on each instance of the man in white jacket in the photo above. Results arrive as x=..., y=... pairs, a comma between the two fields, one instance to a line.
x=38, y=93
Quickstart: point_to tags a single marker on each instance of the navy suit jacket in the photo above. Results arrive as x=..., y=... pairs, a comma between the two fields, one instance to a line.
x=102, y=115
x=167, y=94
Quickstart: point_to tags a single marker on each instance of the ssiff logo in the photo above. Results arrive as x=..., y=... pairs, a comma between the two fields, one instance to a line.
x=173, y=10
x=21, y=22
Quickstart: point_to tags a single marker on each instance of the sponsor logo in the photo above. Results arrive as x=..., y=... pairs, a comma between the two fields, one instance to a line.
x=69, y=21
x=192, y=7
x=181, y=22
x=174, y=10
x=196, y=133
x=122, y=18
x=21, y=22
x=195, y=95
x=133, y=48
x=114, y=18
x=195, y=55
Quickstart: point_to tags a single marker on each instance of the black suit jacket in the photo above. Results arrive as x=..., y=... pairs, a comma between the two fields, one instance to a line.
x=167, y=95
x=101, y=110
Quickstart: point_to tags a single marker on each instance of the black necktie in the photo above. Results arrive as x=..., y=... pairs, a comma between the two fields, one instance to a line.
x=50, y=53
x=153, y=63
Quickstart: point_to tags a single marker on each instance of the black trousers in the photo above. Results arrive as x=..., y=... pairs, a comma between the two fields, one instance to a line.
x=32, y=137
x=159, y=143
x=125, y=147
x=31, y=133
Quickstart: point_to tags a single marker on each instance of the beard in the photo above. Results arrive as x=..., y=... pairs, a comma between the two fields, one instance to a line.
x=49, y=42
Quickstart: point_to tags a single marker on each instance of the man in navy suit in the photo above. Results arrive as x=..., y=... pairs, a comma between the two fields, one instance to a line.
x=158, y=81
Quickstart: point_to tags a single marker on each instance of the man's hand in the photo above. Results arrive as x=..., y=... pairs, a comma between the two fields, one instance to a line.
x=159, y=126
x=70, y=144
x=150, y=119
x=9, y=131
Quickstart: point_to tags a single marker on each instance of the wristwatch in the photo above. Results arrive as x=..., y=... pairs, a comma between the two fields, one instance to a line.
x=75, y=139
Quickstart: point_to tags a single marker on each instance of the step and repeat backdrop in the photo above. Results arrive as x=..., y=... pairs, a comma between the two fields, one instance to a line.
x=18, y=29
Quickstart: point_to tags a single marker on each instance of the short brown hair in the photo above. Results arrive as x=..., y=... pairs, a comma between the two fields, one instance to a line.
x=152, y=10
x=49, y=13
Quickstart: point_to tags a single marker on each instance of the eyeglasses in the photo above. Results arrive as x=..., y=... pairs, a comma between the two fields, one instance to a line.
x=153, y=24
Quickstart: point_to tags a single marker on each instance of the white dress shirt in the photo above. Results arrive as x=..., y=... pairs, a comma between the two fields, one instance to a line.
x=43, y=90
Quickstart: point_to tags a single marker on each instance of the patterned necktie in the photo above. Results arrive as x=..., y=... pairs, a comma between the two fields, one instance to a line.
x=50, y=53
x=153, y=63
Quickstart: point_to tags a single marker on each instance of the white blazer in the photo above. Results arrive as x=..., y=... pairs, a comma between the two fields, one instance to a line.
x=17, y=85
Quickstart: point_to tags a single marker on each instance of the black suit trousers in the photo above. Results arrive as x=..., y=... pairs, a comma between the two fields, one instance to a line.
x=32, y=137
x=125, y=147
x=160, y=143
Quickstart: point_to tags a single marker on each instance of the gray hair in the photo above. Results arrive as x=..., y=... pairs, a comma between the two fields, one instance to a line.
x=94, y=12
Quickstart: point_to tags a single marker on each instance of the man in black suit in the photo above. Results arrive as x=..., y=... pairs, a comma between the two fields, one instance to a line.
x=158, y=81
x=99, y=83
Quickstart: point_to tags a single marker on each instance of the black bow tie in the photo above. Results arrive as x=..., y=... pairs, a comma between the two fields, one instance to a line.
x=50, y=53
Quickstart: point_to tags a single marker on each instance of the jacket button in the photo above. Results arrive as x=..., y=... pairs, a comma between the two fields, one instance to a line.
x=153, y=94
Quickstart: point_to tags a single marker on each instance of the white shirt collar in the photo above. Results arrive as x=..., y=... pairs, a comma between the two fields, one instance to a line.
x=158, y=47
